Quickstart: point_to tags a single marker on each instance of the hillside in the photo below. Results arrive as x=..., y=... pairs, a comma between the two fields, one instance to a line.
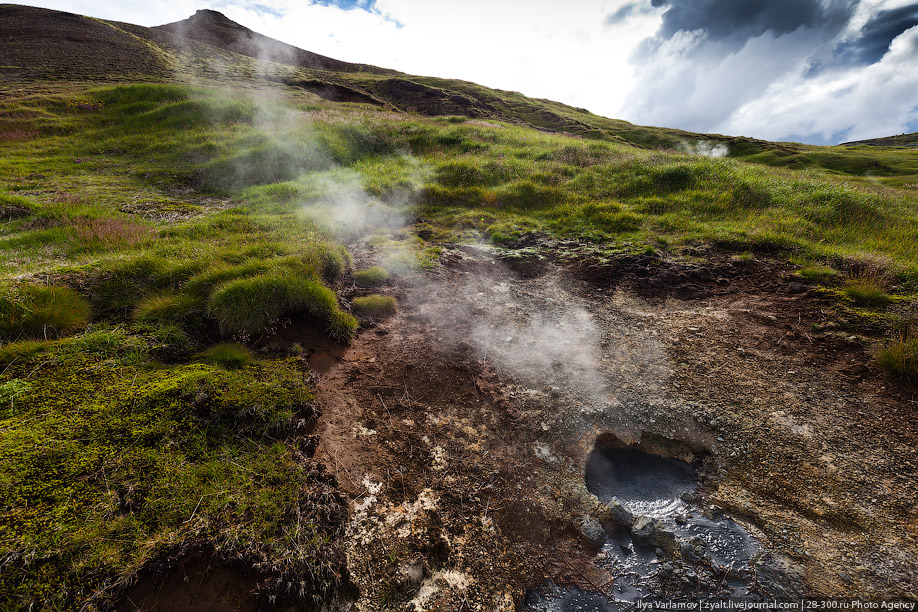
x=210, y=45
x=902, y=140
x=294, y=334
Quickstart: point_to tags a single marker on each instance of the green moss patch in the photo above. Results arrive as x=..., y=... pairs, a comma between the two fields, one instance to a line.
x=107, y=464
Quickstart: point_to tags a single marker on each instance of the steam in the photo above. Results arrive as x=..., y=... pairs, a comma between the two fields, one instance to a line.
x=543, y=338
x=704, y=148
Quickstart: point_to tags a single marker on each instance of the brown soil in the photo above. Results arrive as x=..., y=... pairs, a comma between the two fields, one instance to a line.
x=197, y=582
x=464, y=459
x=41, y=43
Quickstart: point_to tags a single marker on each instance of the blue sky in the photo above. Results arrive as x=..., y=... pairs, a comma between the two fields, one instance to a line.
x=807, y=70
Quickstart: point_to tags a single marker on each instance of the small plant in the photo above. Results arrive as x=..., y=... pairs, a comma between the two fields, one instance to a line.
x=371, y=277
x=821, y=275
x=743, y=258
x=42, y=312
x=229, y=355
x=86, y=105
x=374, y=305
x=866, y=290
x=899, y=358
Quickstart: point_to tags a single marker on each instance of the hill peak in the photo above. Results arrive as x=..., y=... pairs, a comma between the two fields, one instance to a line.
x=215, y=28
x=202, y=16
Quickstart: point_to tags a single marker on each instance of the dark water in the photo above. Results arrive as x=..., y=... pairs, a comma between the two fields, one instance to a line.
x=647, y=484
x=653, y=486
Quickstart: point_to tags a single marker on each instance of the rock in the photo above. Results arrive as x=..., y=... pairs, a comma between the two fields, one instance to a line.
x=411, y=574
x=615, y=513
x=796, y=287
x=779, y=576
x=689, y=553
x=653, y=532
x=711, y=512
x=590, y=529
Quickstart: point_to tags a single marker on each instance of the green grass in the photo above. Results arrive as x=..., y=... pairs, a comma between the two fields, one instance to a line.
x=41, y=312
x=822, y=275
x=371, y=277
x=866, y=290
x=374, y=305
x=228, y=355
x=899, y=358
x=254, y=306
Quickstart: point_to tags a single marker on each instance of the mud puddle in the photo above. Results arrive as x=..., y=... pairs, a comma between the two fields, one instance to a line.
x=656, y=538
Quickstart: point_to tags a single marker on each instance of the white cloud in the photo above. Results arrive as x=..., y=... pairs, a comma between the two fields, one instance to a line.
x=867, y=102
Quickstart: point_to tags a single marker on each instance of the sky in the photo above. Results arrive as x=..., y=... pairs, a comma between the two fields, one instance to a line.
x=814, y=71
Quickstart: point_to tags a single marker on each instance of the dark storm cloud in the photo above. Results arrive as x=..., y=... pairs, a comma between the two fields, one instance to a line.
x=733, y=22
x=876, y=35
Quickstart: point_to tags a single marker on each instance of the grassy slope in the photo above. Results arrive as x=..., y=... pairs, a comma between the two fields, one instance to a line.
x=171, y=210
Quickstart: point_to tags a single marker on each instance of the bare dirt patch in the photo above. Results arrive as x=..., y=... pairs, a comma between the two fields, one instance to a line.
x=460, y=428
x=198, y=582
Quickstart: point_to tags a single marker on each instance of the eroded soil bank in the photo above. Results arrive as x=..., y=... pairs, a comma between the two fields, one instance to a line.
x=461, y=427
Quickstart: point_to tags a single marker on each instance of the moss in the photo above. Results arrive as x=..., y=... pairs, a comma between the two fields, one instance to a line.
x=145, y=460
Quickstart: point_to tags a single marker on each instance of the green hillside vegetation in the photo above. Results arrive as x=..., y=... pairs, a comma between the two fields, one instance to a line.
x=155, y=235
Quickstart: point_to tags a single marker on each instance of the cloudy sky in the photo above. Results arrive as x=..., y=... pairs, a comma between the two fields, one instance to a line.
x=816, y=71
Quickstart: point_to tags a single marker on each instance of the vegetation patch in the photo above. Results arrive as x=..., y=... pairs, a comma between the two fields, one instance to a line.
x=41, y=312
x=374, y=305
x=371, y=277
x=822, y=275
x=108, y=463
x=899, y=358
x=866, y=291
x=228, y=355
x=253, y=306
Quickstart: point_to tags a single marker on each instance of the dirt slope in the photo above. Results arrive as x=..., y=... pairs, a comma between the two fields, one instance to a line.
x=41, y=43
x=461, y=427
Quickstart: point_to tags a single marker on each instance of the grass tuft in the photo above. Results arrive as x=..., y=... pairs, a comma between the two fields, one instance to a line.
x=821, y=275
x=866, y=290
x=229, y=355
x=22, y=349
x=170, y=308
x=899, y=358
x=253, y=306
x=374, y=305
x=41, y=312
x=371, y=277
